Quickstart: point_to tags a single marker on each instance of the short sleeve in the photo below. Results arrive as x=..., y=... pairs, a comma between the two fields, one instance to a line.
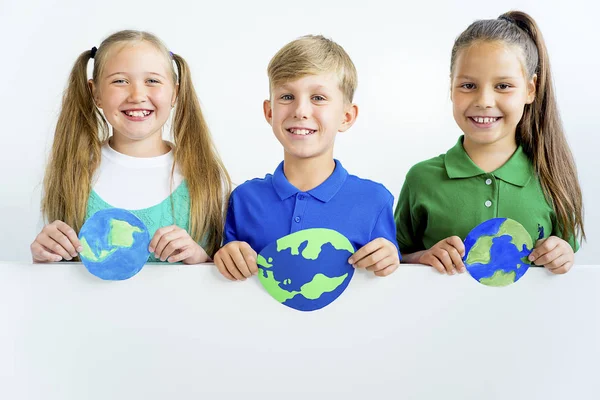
x=384, y=226
x=230, y=233
x=403, y=218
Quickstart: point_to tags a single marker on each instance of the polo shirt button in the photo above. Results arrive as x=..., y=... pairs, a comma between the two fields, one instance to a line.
x=487, y=204
x=300, y=197
x=488, y=181
x=297, y=219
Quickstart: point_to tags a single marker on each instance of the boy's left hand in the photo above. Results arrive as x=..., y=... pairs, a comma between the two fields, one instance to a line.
x=553, y=253
x=379, y=255
x=173, y=244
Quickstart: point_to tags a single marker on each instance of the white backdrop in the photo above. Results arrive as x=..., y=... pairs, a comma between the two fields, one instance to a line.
x=401, y=53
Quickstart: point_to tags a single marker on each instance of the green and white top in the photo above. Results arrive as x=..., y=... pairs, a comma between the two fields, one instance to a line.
x=142, y=186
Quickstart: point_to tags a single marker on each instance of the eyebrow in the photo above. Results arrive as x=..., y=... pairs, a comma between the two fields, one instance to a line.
x=285, y=86
x=125, y=73
x=496, y=78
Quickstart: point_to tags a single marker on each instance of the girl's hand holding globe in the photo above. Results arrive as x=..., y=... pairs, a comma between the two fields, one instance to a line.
x=173, y=244
x=56, y=241
x=554, y=253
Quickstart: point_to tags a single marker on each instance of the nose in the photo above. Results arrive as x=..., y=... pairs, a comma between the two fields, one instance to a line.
x=302, y=110
x=137, y=93
x=485, y=98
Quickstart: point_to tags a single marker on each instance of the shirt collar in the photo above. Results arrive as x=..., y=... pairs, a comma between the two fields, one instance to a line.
x=517, y=171
x=324, y=192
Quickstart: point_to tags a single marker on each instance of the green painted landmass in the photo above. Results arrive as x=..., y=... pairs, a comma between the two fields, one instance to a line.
x=316, y=238
x=500, y=278
x=89, y=254
x=260, y=260
x=517, y=232
x=121, y=233
x=321, y=284
x=312, y=290
x=480, y=252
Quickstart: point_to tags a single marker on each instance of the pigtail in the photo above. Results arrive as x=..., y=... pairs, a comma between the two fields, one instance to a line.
x=542, y=136
x=75, y=151
x=207, y=179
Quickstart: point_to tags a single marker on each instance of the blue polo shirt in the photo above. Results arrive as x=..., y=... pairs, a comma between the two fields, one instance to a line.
x=263, y=210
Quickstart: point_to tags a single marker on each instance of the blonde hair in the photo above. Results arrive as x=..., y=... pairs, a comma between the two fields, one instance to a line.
x=540, y=131
x=313, y=55
x=82, y=130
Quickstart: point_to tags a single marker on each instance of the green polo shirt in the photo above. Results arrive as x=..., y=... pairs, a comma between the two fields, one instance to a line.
x=449, y=195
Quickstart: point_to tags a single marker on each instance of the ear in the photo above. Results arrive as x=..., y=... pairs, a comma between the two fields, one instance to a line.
x=350, y=115
x=531, y=89
x=175, y=93
x=95, y=93
x=268, y=111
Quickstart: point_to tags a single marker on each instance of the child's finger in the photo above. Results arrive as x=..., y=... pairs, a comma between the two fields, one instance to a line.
x=378, y=266
x=221, y=267
x=231, y=267
x=430, y=259
x=456, y=258
x=548, y=257
x=157, y=236
x=163, y=242
x=240, y=263
x=443, y=255
x=71, y=236
x=458, y=244
x=563, y=269
x=53, y=245
x=181, y=256
x=541, y=247
x=172, y=247
x=364, y=251
x=41, y=254
x=250, y=257
x=387, y=271
x=557, y=262
x=371, y=259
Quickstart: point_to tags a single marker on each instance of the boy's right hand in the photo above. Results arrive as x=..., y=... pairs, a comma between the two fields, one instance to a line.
x=445, y=256
x=57, y=241
x=236, y=261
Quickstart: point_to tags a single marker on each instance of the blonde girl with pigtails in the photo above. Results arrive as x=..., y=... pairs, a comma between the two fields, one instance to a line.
x=108, y=151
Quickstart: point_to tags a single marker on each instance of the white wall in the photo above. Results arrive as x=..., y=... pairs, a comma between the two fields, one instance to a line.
x=402, y=56
x=185, y=332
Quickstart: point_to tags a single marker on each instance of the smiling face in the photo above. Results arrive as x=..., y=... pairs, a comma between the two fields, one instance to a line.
x=307, y=113
x=135, y=91
x=489, y=92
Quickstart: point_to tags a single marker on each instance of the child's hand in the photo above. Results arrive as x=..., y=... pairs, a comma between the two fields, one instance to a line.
x=379, y=255
x=173, y=244
x=55, y=242
x=236, y=261
x=553, y=253
x=445, y=256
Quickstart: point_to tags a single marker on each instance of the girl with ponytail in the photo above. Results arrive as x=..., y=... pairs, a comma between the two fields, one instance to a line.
x=109, y=151
x=513, y=160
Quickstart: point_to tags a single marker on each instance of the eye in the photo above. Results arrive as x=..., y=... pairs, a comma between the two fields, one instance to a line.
x=468, y=86
x=318, y=98
x=503, y=86
x=287, y=97
x=119, y=81
x=153, y=81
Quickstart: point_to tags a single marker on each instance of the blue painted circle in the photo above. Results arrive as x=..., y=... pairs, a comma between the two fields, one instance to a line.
x=109, y=258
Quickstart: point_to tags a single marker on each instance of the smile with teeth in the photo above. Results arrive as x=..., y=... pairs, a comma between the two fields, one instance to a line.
x=138, y=113
x=485, y=120
x=301, y=132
